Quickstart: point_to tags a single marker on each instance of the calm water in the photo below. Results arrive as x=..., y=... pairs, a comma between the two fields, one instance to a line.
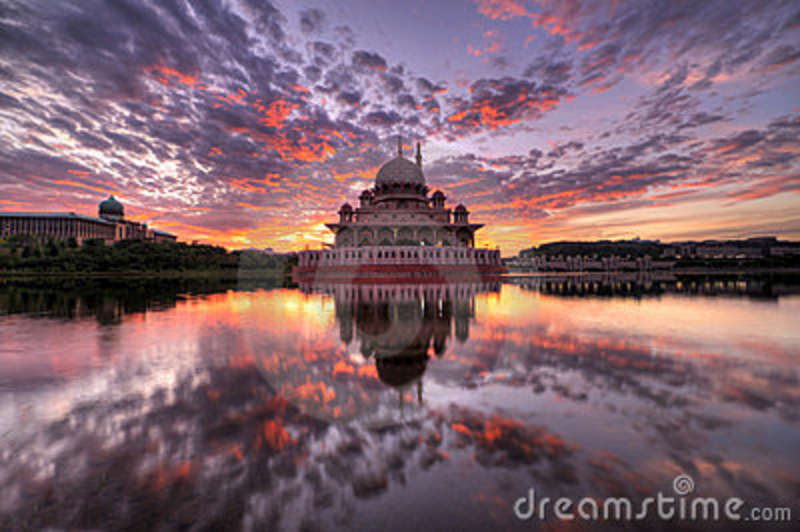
x=399, y=408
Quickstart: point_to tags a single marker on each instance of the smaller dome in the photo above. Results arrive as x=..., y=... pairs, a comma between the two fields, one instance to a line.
x=438, y=194
x=346, y=207
x=461, y=208
x=111, y=206
x=366, y=193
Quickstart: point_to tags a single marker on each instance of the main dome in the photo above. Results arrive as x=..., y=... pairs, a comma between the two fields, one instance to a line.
x=400, y=170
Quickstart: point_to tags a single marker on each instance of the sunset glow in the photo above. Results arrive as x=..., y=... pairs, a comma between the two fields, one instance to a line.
x=247, y=124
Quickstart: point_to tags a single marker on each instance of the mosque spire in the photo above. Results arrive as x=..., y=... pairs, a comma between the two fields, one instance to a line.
x=399, y=145
x=419, y=155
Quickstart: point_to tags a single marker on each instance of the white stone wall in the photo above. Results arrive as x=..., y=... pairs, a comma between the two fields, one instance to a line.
x=397, y=255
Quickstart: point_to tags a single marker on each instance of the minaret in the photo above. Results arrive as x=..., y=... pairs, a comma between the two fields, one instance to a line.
x=419, y=155
x=399, y=145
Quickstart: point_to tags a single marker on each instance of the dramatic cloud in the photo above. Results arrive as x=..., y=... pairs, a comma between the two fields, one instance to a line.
x=494, y=103
x=245, y=124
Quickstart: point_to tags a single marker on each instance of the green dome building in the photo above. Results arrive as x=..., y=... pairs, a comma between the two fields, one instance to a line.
x=111, y=209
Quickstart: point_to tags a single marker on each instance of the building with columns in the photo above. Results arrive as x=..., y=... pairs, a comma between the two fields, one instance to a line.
x=398, y=211
x=399, y=228
x=110, y=225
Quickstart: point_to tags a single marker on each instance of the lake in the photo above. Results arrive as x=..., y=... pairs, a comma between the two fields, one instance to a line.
x=147, y=405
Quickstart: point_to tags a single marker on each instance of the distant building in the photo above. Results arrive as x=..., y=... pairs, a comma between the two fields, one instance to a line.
x=584, y=263
x=751, y=248
x=784, y=251
x=745, y=249
x=110, y=225
x=728, y=252
x=264, y=251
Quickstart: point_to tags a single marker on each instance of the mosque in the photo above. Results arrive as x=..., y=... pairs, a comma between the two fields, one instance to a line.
x=110, y=225
x=400, y=232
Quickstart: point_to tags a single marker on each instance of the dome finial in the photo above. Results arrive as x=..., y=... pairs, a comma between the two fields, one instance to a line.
x=419, y=155
x=399, y=145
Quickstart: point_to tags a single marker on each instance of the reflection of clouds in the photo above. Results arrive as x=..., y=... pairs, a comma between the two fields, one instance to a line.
x=221, y=449
x=632, y=358
x=178, y=426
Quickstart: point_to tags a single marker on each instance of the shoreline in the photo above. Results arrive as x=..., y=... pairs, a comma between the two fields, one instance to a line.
x=236, y=275
x=660, y=273
x=220, y=275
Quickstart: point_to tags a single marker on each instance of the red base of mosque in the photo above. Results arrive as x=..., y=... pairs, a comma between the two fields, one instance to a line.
x=398, y=273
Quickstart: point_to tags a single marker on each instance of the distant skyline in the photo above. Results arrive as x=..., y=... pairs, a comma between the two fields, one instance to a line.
x=247, y=123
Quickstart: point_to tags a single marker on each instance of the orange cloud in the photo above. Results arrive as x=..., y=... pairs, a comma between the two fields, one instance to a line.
x=166, y=75
x=276, y=113
x=80, y=185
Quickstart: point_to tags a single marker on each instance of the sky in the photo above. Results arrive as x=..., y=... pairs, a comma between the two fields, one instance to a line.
x=247, y=123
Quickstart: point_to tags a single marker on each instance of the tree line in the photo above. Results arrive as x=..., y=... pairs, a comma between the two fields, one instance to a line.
x=29, y=254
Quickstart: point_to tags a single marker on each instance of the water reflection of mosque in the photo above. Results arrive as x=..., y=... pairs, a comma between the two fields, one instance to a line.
x=400, y=326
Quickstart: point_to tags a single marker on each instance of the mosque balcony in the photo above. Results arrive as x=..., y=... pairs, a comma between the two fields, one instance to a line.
x=399, y=256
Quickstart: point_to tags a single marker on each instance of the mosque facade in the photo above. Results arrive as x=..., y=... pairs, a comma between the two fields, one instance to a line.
x=110, y=225
x=400, y=229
